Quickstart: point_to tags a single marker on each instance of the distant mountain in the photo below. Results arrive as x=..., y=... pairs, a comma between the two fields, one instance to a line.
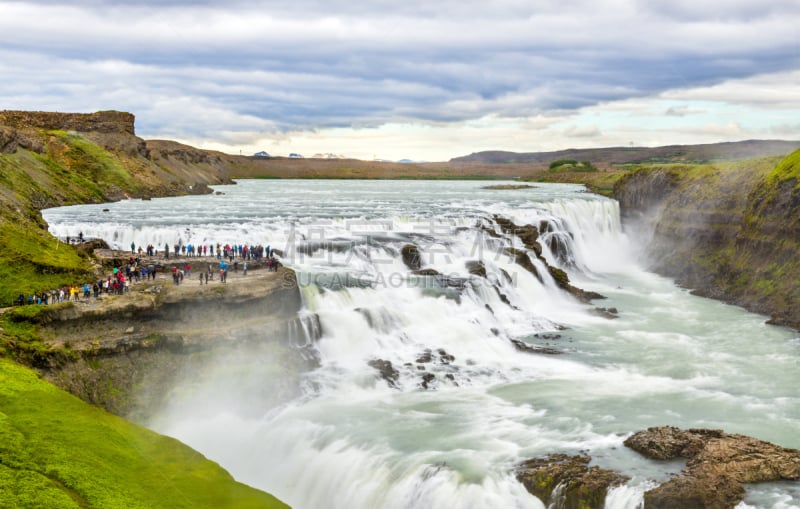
x=729, y=151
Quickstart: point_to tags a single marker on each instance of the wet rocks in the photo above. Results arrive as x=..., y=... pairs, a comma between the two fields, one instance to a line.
x=609, y=313
x=528, y=234
x=719, y=464
x=547, y=336
x=526, y=348
x=508, y=187
x=386, y=371
x=476, y=268
x=440, y=356
x=562, y=280
x=522, y=259
x=411, y=256
x=444, y=357
x=427, y=380
x=425, y=357
x=564, y=481
x=426, y=272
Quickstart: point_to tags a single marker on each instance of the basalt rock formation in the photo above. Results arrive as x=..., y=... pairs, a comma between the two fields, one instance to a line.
x=728, y=231
x=719, y=464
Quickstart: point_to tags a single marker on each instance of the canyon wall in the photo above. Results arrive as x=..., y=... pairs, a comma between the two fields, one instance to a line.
x=729, y=231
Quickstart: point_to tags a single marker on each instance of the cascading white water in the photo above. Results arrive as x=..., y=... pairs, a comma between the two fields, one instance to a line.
x=465, y=405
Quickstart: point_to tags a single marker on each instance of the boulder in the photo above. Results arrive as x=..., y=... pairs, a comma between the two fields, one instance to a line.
x=386, y=371
x=411, y=256
x=89, y=246
x=8, y=140
x=719, y=464
x=427, y=380
x=579, y=486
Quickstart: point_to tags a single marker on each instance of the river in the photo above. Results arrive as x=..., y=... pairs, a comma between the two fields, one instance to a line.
x=356, y=440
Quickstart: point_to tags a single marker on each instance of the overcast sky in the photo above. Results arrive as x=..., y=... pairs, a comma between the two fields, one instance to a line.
x=424, y=80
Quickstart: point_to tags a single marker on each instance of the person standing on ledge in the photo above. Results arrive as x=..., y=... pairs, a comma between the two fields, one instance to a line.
x=133, y=248
x=166, y=250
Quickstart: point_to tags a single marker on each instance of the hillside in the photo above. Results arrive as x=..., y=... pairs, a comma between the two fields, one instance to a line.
x=697, y=154
x=55, y=450
x=52, y=159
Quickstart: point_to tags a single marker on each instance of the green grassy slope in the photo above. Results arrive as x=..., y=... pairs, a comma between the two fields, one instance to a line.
x=74, y=455
x=74, y=170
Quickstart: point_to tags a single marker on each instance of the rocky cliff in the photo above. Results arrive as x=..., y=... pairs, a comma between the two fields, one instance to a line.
x=101, y=121
x=52, y=159
x=126, y=353
x=729, y=231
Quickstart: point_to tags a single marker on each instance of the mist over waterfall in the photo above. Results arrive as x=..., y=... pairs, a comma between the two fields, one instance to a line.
x=448, y=350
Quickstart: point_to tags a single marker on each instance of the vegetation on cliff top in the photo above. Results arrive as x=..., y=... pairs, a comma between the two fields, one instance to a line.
x=75, y=455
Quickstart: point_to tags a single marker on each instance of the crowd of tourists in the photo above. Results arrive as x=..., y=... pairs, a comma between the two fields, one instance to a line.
x=116, y=283
x=219, y=251
x=144, y=265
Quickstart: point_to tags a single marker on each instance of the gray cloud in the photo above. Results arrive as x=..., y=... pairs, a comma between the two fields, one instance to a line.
x=309, y=64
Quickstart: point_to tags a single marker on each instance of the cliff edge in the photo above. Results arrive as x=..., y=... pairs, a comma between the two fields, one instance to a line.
x=729, y=231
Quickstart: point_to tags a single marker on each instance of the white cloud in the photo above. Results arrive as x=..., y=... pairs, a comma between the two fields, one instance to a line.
x=466, y=74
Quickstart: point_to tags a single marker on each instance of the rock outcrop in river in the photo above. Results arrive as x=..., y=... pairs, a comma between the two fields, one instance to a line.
x=568, y=482
x=718, y=467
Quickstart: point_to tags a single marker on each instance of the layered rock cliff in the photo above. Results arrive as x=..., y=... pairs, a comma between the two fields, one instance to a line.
x=730, y=231
x=127, y=353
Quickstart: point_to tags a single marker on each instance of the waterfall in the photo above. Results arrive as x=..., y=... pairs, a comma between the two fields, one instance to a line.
x=433, y=384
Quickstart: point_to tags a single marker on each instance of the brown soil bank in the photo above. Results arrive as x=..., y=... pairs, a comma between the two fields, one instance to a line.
x=730, y=231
